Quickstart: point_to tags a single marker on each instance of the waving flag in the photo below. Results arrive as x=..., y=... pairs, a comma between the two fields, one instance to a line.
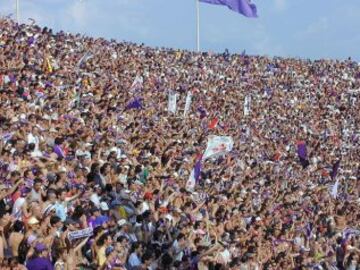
x=213, y=123
x=218, y=145
x=243, y=7
x=135, y=104
x=302, y=153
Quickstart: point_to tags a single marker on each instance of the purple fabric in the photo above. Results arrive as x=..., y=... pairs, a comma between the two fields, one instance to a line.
x=135, y=104
x=243, y=7
x=197, y=170
x=335, y=169
x=302, y=151
x=58, y=151
x=39, y=264
x=202, y=112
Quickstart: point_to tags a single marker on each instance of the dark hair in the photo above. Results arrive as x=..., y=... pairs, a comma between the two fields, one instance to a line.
x=54, y=220
x=37, y=181
x=18, y=226
x=147, y=255
x=58, y=140
x=180, y=236
x=166, y=260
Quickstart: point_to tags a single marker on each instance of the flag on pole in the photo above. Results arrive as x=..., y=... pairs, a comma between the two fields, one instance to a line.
x=243, y=7
x=335, y=169
x=218, y=145
x=187, y=103
x=172, y=102
x=194, y=176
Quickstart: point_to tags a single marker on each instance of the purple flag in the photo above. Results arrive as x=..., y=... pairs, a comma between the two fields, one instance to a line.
x=302, y=153
x=135, y=104
x=243, y=7
x=197, y=170
x=335, y=169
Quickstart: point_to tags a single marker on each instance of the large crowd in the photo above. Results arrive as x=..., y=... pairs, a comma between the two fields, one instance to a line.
x=94, y=166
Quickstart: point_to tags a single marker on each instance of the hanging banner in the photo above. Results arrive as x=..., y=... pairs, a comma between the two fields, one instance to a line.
x=217, y=146
x=247, y=105
x=187, y=103
x=172, y=102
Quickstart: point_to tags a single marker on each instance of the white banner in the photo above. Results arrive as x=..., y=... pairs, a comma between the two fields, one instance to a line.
x=187, y=103
x=190, y=184
x=80, y=234
x=247, y=105
x=172, y=102
x=217, y=146
x=137, y=85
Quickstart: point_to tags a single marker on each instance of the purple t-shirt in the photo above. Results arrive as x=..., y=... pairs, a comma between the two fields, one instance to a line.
x=39, y=263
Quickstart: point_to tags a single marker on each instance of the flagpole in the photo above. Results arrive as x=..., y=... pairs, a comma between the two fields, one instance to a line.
x=197, y=25
x=17, y=11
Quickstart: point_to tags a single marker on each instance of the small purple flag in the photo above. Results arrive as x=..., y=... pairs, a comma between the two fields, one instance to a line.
x=335, y=169
x=135, y=104
x=302, y=153
x=243, y=7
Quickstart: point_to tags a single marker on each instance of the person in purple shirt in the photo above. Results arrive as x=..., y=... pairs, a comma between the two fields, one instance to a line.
x=40, y=259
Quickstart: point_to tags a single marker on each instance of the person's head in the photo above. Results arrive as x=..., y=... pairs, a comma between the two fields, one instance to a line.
x=15, y=176
x=181, y=238
x=61, y=253
x=104, y=240
x=41, y=250
x=51, y=196
x=147, y=257
x=136, y=247
x=18, y=226
x=28, y=174
x=37, y=184
x=3, y=190
x=95, y=212
x=95, y=167
x=62, y=194
x=105, y=169
x=55, y=221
